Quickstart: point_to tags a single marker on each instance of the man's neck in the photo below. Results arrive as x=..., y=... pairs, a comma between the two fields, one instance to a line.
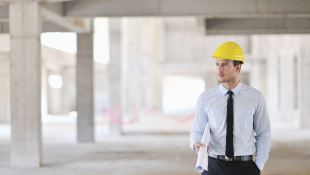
x=231, y=84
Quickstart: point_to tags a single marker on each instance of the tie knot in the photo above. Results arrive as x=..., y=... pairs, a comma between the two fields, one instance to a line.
x=230, y=93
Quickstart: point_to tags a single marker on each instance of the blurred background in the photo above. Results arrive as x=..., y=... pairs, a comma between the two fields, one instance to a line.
x=109, y=87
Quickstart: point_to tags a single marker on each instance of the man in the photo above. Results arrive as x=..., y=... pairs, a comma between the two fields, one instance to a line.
x=234, y=111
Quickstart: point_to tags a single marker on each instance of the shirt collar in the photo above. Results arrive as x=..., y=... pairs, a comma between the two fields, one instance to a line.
x=235, y=90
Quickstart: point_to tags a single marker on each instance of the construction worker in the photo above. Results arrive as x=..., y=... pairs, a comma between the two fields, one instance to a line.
x=238, y=120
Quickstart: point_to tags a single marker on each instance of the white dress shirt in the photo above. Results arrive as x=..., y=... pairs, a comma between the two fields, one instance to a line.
x=251, y=122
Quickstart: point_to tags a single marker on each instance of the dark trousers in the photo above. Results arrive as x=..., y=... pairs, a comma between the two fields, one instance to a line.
x=221, y=167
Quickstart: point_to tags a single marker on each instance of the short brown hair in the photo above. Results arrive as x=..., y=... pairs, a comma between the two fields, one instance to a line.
x=236, y=63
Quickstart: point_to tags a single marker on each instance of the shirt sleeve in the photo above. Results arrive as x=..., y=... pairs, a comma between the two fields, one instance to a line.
x=263, y=134
x=199, y=123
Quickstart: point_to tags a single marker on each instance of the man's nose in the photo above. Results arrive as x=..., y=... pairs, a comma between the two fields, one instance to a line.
x=220, y=68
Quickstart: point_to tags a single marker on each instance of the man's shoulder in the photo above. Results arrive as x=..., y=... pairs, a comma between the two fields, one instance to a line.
x=249, y=91
x=212, y=92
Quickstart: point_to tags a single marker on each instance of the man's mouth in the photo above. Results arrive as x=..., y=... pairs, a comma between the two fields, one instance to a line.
x=220, y=75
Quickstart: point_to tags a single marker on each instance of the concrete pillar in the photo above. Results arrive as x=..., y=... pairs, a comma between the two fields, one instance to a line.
x=68, y=90
x=44, y=89
x=131, y=86
x=160, y=54
x=304, y=81
x=4, y=78
x=4, y=88
x=85, y=88
x=255, y=74
x=114, y=71
x=54, y=94
x=148, y=61
x=272, y=77
x=138, y=54
x=25, y=31
x=286, y=59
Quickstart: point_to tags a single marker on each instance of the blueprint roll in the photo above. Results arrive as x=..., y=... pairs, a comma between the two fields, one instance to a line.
x=202, y=159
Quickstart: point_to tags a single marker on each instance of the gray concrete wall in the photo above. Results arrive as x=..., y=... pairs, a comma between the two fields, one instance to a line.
x=4, y=90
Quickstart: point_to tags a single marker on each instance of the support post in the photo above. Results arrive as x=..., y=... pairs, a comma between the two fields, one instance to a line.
x=286, y=56
x=85, y=88
x=304, y=82
x=25, y=31
x=4, y=89
x=114, y=69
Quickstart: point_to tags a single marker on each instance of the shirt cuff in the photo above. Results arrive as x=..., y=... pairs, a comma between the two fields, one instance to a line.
x=192, y=146
x=260, y=164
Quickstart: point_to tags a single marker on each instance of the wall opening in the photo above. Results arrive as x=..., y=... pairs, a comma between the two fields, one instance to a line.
x=180, y=93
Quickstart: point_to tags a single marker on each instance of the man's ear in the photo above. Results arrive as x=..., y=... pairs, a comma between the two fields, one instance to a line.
x=238, y=68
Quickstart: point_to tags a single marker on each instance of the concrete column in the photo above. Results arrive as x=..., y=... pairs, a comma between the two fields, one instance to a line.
x=148, y=63
x=4, y=78
x=4, y=88
x=67, y=90
x=25, y=31
x=54, y=95
x=286, y=58
x=138, y=65
x=304, y=82
x=114, y=71
x=255, y=74
x=272, y=71
x=85, y=88
x=160, y=54
x=44, y=86
x=131, y=86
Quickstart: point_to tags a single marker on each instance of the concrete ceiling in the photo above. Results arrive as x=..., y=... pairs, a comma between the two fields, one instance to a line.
x=222, y=16
x=257, y=26
x=207, y=8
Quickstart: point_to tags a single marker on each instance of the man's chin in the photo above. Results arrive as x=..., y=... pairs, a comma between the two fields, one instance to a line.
x=222, y=81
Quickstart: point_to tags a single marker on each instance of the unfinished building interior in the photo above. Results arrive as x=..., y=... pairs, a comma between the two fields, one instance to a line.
x=121, y=98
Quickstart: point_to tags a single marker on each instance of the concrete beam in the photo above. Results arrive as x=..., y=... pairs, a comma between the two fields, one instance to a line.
x=73, y=25
x=52, y=12
x=258, y=26
x=55, y=7
x=209, y=9
x=57, y=57
x=4, y=12
x=50, y=26
x=49, y=1
x=47, y=26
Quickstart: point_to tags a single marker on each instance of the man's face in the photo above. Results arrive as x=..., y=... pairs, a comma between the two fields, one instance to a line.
x=226, y=70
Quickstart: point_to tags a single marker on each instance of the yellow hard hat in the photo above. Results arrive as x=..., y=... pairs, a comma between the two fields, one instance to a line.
x=229, y=51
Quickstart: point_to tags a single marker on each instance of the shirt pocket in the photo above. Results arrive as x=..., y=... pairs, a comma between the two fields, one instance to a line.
x=217, y=118
x=244, y=118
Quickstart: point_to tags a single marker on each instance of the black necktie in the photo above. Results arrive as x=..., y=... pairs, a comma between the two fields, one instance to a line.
x=230, y=126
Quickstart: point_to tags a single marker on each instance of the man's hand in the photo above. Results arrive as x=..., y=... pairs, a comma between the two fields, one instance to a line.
x=197, y=146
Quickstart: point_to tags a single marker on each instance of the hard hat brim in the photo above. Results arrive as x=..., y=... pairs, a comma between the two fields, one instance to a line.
x=225, y=58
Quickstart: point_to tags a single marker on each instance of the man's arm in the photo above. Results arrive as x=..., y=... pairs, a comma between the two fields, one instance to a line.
x=199, y=123
x=263, y=135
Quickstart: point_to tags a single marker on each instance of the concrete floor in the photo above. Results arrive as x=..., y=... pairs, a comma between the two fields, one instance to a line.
x=145, y=154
